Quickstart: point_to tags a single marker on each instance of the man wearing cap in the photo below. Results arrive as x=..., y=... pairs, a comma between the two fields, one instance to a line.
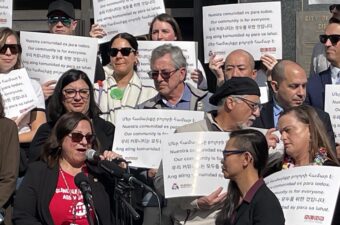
x=238, y=102
x=61, y=20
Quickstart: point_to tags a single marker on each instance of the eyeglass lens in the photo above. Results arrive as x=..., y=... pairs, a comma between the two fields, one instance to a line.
x=78, y=137
x=14, y=48
x=124, y=51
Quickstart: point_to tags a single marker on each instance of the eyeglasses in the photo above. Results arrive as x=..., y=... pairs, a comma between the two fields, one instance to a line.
x=232, y=152
x=124, y=51
x=334, y=38
x=56, y=19
x=71, y=93
x=252, y=105
x=164, y=74
x=334, y=6
x=78, y=137
x=14, y=48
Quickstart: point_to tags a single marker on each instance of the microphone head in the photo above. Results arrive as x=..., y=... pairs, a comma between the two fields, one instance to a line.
x=80, y=179
x=91, y=155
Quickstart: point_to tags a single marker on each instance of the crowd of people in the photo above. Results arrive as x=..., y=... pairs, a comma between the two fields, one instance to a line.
x=44, y=150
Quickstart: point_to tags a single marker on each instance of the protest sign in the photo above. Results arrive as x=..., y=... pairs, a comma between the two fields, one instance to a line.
x=145, y=48
x=332, y=106
x=132, y=16
x=47, y=56
x=6, y=13
x=17, y=93
x=139, y=133
x=255, y=27
x=314, y=2
x=192, y=163
x=307, y=194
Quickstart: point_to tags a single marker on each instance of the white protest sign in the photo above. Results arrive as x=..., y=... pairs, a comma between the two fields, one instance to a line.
x=255, y=27
x=139, y=133
x=264, y=94
x=6, y=13
x=314, y=2
x=192, y=163
x=17, y=93
x=47, y=56
x=332, y=106
x=307, y=194
x=189, y=49
x=132, y=16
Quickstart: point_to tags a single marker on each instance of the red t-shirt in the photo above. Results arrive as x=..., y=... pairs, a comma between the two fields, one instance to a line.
x=62, y=204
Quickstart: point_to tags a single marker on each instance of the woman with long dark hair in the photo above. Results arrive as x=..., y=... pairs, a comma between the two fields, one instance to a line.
x=249, y=200
x=73, y=93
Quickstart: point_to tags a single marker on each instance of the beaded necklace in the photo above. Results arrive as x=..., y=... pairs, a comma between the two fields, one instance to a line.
x=319, y=159
x=74, y=202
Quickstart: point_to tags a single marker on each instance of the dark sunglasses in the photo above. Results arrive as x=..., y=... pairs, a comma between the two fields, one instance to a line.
x=334, y=6
x=14, y=48
x=334, y=38
x=78, y=137
x=124, y=51
x=232, y=152
x=153, y=74
x=56, y=19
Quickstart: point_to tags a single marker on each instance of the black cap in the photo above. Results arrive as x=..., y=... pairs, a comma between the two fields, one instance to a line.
x=235, y=86
x=63, y=6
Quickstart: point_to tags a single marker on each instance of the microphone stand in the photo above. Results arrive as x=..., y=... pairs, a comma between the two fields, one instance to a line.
x=125, y=213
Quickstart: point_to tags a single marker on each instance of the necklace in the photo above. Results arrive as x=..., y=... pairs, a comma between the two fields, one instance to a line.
x=72, y=199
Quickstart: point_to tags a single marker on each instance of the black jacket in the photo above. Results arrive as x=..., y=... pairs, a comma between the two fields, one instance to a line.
x=31, y=205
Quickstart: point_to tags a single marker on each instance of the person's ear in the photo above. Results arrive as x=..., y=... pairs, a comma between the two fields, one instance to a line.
x=229, y=103
x=182, y=73
x=74, y=24
x=248, y=159
x=275, y=85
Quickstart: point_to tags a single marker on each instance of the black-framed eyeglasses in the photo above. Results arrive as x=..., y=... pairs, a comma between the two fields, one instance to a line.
x=78, y=137
x=71, y=93
x=56, y=19
x=334, y=6
x=252, y=105
x=14, y=48
x=153, y=74
x=334, y=38
x=232, y=152
x=124, y=51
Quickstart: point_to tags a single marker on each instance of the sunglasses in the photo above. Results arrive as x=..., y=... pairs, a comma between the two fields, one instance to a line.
x=334, y=38
x=232, y=152
x=252, y=105
x=334, y=6
x=56, y=19
x=14, y=48
x=71, y=93
x=78, y=137
x=124, y=51
x=153, y=74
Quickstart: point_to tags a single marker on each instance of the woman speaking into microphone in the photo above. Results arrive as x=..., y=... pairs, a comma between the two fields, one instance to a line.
x=49, y=195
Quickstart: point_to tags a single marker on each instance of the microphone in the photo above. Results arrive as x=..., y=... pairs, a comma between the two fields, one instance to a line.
x=82, y=182
x=94, y=156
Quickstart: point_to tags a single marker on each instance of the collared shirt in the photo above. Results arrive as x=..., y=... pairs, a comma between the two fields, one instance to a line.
x=335, y=72
x=183, y=103
x=276, y=112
